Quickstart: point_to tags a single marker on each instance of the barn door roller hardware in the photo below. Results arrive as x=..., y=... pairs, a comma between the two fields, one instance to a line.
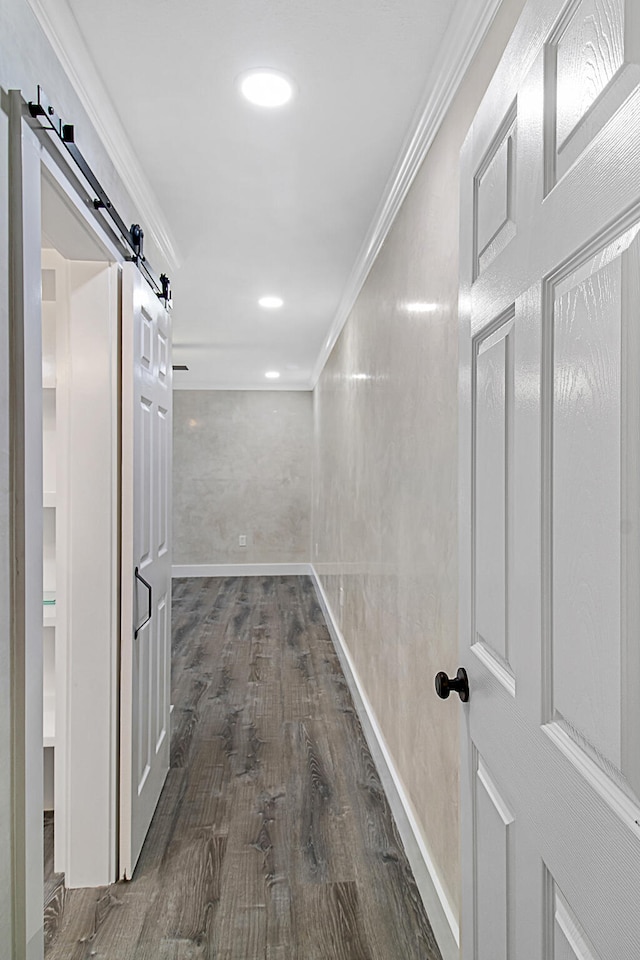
x=133, y=236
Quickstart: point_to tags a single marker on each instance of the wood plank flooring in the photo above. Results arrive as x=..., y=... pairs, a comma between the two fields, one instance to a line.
x=54, y=889
x=272, y=839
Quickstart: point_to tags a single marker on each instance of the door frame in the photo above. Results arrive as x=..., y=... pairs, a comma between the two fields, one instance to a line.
x=31, y=151
x=25, y=415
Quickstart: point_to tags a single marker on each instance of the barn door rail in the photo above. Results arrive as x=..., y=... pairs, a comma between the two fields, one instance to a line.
x=133, y=236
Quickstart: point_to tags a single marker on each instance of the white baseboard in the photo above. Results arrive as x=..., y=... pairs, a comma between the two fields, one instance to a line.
x=436, y=903
x=241, y=570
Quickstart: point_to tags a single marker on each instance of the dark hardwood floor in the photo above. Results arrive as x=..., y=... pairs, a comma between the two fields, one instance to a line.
x=54, y=889
x=273, y=839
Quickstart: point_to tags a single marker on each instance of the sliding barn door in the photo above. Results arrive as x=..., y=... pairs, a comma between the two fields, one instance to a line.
x=146, y=561
x=550, y=486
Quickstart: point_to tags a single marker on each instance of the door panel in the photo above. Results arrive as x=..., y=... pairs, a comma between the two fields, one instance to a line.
x=163, y=356
x=163, y=425
x=494, y=195
x=145, y=358
x=589, y=51
x=494, y=831
x=146, y=646
x=567, y=939
x=143, y=493
x=586, y=531
x=162, y=680
x=493, y=411
x=592, y=66
x=550, y=492
x=142, y=673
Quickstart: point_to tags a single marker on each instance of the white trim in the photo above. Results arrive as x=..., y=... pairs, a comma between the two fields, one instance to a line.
x=440, y=911
x=77, y=202
x=63, y=33
x=241, y=570
x=467, y=29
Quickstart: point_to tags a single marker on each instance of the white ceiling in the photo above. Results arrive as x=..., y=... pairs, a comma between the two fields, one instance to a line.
x=264, y=202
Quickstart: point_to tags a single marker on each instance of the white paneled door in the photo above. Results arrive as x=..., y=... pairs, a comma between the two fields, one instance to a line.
x=550, y=492
x=146, y=561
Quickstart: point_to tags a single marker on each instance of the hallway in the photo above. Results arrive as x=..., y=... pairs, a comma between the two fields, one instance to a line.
x=272, y=839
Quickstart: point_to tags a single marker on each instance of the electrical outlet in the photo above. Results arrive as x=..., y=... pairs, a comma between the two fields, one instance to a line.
x=242, y=540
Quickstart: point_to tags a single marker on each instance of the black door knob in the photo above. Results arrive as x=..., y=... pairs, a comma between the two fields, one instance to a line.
x=444, y=685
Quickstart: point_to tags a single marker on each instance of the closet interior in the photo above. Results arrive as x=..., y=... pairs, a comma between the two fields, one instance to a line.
x=80, y=556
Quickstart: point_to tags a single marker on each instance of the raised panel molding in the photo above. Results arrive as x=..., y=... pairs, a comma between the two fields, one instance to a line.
x=623, y=806
x=590, y=401
x=493, y=401
x=493, y=843
x=591, y=67
x=494, y=196
x=143, y=733
x=163, y=353
x=145, y=518
x=164, y=443
x=565, y=938
x=589, y=53
x=146, y=338
x=161, y=706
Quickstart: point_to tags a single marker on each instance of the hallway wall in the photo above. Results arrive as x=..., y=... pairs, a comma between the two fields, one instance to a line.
x=384, y=530
x=241, y=465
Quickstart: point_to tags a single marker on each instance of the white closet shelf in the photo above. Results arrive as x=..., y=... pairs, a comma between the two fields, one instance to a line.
x=49, y=718
x=49, y=722
x=49, y=608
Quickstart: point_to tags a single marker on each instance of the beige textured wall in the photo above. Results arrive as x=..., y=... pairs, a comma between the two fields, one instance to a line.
x=385, y=477
x=241, y=465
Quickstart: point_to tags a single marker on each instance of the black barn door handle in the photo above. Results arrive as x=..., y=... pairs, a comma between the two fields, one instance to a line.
x=148, y=586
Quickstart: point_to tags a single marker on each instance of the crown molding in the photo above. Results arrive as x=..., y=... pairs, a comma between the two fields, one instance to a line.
x=467, y=28
x=63, y=33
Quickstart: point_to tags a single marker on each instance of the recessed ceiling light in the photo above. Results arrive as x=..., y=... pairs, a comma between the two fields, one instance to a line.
x=270, y=303
x=272, y=374
x=266, y=88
